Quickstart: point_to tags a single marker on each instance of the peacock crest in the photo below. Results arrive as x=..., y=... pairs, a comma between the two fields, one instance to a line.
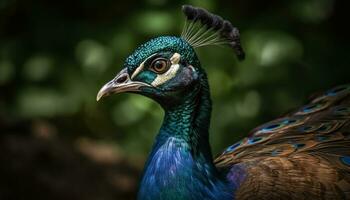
x=203, y=28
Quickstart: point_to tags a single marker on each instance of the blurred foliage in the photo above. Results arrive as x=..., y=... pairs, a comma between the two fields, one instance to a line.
x=55, y=55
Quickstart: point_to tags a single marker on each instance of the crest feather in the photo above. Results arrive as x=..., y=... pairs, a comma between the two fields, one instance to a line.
x=203, y=28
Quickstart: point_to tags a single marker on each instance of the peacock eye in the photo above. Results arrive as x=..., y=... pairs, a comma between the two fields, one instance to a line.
x=160, y=65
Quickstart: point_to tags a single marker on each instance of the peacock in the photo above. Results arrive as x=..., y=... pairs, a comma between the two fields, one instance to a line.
x=304, y=154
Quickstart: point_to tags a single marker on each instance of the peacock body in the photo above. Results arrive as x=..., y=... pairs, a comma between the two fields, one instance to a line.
x=302, y=155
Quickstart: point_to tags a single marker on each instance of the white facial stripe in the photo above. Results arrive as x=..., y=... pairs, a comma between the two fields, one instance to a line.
x=171, y=73
x=140, y=68
x=162, y=78
x=175, y=59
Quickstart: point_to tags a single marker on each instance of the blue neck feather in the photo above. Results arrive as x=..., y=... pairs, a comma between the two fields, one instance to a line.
x=180, y=165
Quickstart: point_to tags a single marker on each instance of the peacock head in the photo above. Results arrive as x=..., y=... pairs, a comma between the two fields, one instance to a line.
x=166, y=68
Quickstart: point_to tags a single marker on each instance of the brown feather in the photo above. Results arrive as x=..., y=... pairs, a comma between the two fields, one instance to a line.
x=303, y=155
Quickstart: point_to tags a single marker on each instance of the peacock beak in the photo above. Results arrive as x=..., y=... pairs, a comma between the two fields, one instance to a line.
x=121, y=83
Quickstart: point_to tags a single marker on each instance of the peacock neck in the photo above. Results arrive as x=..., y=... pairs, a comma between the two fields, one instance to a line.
x=189, y=120
x=180, y=165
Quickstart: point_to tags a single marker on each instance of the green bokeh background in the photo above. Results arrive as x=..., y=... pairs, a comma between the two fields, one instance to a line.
x=57, y=142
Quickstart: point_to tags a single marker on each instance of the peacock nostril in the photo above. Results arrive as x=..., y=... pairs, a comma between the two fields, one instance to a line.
x=122, y=79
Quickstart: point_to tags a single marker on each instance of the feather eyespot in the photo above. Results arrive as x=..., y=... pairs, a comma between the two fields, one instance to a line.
x=233, y=147
x=298, y=145
x=345, y=160
x=329, y=127
x=277, y=125
x=269, y=128
x=308, y=128
x=276, y=152
x=342, y=111
x=254, y=140
x=322, y=138
x=311, y=108
x=338, y=90
x=324, y=128
x=160, y=65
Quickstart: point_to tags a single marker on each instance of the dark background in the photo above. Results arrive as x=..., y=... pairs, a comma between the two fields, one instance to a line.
x=57, y=142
